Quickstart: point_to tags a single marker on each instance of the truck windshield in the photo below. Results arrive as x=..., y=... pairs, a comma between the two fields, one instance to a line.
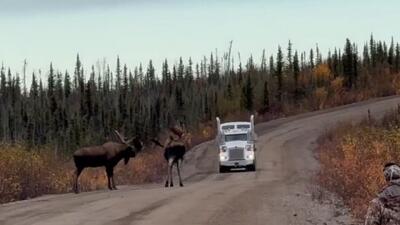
x=235, y=137
x=243, y=126
x=228, y=127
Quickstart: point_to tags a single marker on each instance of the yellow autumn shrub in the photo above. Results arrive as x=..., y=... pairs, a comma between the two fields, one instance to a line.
x=30, y=173
x=352, y=159
x=26, y=174
x=321, y=96
x=322, y=74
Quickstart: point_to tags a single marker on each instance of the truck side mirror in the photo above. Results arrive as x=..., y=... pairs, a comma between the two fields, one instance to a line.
x=252, y=123
x=252, y=129
x=220, y=138
x=218, y=126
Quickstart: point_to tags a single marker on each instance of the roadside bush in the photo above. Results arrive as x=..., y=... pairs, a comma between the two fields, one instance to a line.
x=26, y=174
x=352, y=159
x=30, y=173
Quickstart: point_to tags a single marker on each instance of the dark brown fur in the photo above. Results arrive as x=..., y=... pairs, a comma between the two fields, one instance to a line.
x=173, y=154
x=108, y=155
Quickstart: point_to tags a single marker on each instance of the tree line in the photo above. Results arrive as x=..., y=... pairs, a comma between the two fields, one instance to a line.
x=67, y=109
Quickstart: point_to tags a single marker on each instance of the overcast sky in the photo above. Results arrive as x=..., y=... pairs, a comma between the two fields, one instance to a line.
x=44, y=31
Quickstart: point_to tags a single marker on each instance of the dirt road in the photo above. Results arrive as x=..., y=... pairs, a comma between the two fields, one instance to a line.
x=280, y=192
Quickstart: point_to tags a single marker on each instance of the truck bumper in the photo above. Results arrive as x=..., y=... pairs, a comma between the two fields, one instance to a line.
x=237, y=163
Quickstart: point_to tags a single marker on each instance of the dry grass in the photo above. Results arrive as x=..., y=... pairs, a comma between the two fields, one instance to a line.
x=28, y=173
x=31, y=173
x=352, y=158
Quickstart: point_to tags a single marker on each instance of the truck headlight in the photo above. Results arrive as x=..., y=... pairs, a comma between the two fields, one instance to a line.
x=250, y=156
x=223, y=157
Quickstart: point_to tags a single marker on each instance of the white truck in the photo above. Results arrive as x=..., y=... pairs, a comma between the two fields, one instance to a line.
x=236, y=145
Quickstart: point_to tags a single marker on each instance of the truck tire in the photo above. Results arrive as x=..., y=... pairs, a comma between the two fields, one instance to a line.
x=223, y=169
x=251, y=167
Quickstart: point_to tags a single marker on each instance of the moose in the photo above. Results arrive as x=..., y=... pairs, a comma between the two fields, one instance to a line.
x=174, y=151
x=108, y=155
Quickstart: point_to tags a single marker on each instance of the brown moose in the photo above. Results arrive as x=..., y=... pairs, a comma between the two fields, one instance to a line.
x=107, y=155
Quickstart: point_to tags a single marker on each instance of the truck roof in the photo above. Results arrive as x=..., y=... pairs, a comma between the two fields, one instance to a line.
x=235, y=127
x=235, y=123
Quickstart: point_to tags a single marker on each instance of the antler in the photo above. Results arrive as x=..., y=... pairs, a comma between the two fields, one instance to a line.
x=155, y=141
x=121, y=138
x=132, y=139
x=177, y=131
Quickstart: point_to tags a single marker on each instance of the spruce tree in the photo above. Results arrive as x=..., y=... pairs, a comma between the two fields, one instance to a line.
x=263, y=63
x=150, y=75
x=3, y=83
x=118, y=72
x=279, y=73
x=34, y=92
x=391, y=53
x=266, y=102
x=165, y=74
x=397, y=58
x=181, y=70
x=372, y=50
x=67, y=85
x=271, y=65
x=348, y=63
x=355, y=66
x=366, y=57
x=50, y=89
x=189, y=73
x=247, y=95
x=311, y=59
x=335, y=63
x=77, y=73
x=319, y=56
x=296, y=74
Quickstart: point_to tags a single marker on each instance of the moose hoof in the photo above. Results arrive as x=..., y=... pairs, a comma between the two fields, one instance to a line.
x=181, y=185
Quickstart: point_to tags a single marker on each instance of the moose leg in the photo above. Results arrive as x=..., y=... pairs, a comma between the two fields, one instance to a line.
x=171, y=180
x=77, y=174
x=178, y=167
x=109, y=176
x=167, y=181
x=113, y=182
x=168, y=173
x=170, y=165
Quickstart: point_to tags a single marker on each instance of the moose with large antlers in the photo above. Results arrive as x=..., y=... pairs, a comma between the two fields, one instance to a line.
x=107, y=155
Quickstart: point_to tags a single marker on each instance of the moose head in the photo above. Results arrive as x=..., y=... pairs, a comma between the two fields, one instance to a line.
x=131, y=148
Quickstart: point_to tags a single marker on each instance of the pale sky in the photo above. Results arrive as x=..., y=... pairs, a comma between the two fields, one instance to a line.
x=44, y=31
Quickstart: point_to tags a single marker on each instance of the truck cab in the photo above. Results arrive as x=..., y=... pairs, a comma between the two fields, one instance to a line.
x=236, y=145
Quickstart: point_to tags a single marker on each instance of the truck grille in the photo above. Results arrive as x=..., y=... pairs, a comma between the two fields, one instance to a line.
x=236, y=154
